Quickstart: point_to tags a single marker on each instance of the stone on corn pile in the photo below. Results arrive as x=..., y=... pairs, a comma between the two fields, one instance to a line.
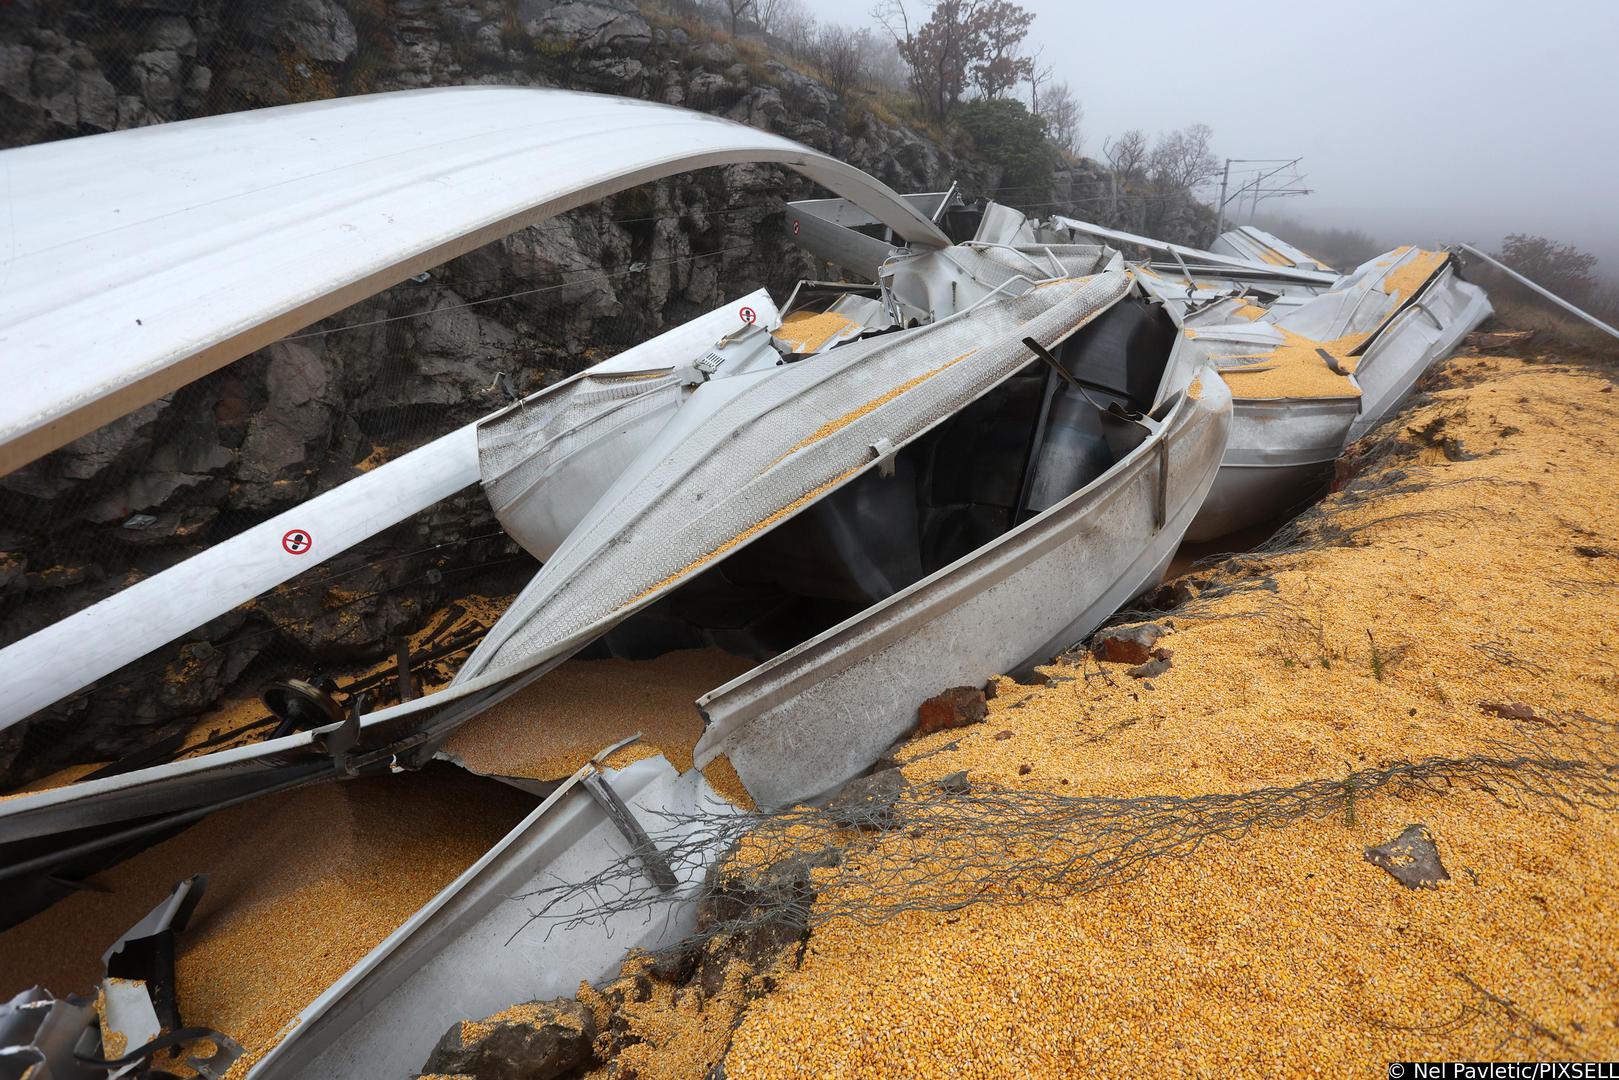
x=869, y=802
x=1412, y=858
x=1127, y=644
x=537, y=1040
x=958, y=706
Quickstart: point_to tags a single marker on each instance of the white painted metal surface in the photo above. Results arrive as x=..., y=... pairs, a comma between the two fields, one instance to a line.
x=136, y=261
x=746, y=452
x=1424, y=328
x=1189, y=255
x=74, y=652
x=1249, y=242
x=545, y=463
x=1049, y=315
x=1280, y=447
x=1279, y=454
x=828, y=229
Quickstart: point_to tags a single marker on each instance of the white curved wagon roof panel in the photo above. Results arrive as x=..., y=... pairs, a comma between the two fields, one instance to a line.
x=136, y=261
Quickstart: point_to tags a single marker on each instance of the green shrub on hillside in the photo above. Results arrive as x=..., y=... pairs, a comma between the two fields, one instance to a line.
x=1008, y=134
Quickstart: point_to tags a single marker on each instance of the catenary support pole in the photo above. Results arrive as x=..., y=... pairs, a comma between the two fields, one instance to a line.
x=1547, y=293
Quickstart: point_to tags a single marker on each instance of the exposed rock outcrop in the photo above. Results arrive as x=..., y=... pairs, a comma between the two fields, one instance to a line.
x=300, y=417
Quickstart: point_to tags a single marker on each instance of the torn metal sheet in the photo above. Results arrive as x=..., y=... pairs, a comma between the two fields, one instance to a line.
x=1183, y=255
x=477, y=947
x=746, y=453
x=801, y=499
x=39, y=1035
x=1257, y=245
x=1378, y=328
x=1424, y=328
x=544, y=462
x=128, y=1019
x=132, y=1017
x=845, y=235
x=817, y=715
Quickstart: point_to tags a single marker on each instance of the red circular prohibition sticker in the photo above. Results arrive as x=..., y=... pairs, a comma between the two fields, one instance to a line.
x=795, y=226
x=297, y=542
x=748, y=314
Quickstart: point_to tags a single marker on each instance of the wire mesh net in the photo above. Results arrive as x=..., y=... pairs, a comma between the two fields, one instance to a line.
x=954, y=843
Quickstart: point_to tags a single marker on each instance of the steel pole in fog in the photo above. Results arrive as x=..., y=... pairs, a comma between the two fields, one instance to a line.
x=1547, y=293
x=1225, y=179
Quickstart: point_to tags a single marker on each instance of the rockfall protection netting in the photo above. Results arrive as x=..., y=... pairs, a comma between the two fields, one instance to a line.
x=884, y=849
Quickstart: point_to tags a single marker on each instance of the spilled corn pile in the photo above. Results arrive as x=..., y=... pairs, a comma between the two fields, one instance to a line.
x=551, y=728
x=808, y=331
x=1299, y=367
x=1455, y=600
x=300, y=887
x=1302, y=367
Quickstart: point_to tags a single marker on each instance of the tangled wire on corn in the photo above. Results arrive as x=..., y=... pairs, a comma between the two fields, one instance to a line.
x=948, y=846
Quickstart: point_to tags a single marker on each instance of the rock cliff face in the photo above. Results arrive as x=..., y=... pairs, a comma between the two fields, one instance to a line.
x=302, y=416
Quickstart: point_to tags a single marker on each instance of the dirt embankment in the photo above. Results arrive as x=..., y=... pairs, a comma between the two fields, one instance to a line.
x=1453, y=603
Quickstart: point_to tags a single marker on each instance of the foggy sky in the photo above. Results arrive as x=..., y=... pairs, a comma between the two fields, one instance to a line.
x=1418, y=120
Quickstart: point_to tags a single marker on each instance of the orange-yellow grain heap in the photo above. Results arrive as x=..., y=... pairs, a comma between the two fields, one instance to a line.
x=550, y=729
x=1284, y=952
x=301, y=886
x=1403, y=282
x=682, y=1029
x=1293, y=369
x=806, y=331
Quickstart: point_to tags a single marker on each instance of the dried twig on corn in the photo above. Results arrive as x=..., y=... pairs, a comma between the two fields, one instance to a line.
x=949, y=848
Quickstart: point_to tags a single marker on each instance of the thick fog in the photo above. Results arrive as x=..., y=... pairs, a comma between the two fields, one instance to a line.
x=1418, y=120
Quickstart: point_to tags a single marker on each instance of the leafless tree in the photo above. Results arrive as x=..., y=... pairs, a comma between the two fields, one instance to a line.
x=884, y=65
x=840, y=53
x=767, y=14
x=795, y=26
x=1127, y=155
x=1181, y=160
x=1063, y=115
x=1039, y=75
x=738, y=8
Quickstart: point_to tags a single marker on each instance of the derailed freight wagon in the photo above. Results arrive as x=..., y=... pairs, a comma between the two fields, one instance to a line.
x=867, y=495
x=1315, y=359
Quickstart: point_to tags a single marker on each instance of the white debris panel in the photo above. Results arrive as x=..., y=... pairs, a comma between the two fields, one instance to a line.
x=137, y=261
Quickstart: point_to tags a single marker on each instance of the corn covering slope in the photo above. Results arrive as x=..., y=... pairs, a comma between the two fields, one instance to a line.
x=1475, y=565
